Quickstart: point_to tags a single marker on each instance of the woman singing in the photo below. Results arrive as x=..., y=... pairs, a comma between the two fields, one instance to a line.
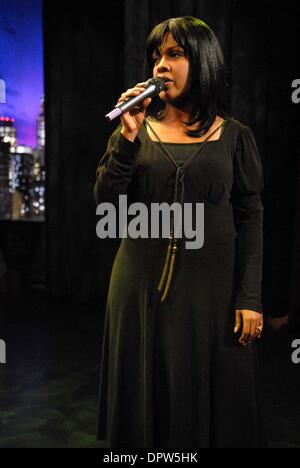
x=179, y=361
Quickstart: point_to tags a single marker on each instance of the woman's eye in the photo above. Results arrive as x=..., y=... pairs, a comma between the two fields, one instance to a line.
x=175, y=54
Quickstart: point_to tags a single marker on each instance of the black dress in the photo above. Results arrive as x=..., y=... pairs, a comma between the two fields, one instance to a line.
x=173, y=374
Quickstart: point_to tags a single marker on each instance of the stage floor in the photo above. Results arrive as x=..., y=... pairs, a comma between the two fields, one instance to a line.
x=49, y=384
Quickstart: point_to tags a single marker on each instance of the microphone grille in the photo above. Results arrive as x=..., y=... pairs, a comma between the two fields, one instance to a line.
x=159, y=83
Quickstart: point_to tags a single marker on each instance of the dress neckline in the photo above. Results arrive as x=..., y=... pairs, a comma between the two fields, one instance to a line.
x=167, y=272
x=223, y=130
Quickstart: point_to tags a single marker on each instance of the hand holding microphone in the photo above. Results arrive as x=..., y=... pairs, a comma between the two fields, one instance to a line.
x=131, y=106
x=134, y=117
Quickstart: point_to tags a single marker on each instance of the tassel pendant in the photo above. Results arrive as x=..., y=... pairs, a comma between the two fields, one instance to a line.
x=166, y=265
x=170, y=273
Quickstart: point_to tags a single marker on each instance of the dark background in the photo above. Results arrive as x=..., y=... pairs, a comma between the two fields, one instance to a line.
x=92, y=54
x=53, y=295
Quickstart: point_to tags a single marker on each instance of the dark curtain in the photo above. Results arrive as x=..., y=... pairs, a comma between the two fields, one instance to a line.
x=281, y=166
x=94, y=52
x=83, y=76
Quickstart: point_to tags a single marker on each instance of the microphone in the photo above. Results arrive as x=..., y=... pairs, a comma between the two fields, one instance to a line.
x=153, y=87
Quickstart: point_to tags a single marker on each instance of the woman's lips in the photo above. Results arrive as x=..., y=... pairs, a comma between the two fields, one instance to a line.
x=167, y=81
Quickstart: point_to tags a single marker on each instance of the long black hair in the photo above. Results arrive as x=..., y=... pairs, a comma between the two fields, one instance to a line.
x=205, y=91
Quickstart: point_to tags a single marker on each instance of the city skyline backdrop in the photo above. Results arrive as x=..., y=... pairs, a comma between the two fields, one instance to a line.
x=21, y=65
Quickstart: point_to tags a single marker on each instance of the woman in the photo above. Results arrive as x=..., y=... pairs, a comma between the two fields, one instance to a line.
x=179, y=360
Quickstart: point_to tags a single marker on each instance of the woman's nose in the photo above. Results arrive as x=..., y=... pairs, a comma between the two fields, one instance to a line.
x=163, y=65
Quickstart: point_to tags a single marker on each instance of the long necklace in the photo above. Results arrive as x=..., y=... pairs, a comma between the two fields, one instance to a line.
x=168, y=269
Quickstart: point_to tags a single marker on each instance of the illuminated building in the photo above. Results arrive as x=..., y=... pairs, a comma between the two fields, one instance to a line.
x=39, y=172
x=40, y=127
x=22, y=172
x=23, y=163
x=5, y=193
x=8, y=132
x=38, y=184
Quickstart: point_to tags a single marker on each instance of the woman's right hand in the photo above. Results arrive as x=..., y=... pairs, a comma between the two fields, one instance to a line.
x=132, y=120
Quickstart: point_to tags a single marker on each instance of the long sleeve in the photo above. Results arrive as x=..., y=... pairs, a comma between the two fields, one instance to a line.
x=116, y=168
x=248, y=215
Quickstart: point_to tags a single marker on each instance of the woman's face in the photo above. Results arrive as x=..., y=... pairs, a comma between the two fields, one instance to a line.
x=171, y=63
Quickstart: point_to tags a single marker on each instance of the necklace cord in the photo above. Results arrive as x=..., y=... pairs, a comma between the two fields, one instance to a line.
x=168, y=268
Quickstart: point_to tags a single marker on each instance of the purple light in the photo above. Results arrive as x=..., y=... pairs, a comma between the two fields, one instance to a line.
x=21, y=65
x=7, y=119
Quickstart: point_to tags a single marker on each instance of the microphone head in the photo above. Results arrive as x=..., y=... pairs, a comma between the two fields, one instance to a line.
x=159, y=84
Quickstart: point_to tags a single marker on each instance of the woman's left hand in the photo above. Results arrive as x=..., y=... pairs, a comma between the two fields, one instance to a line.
x=252, y=325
